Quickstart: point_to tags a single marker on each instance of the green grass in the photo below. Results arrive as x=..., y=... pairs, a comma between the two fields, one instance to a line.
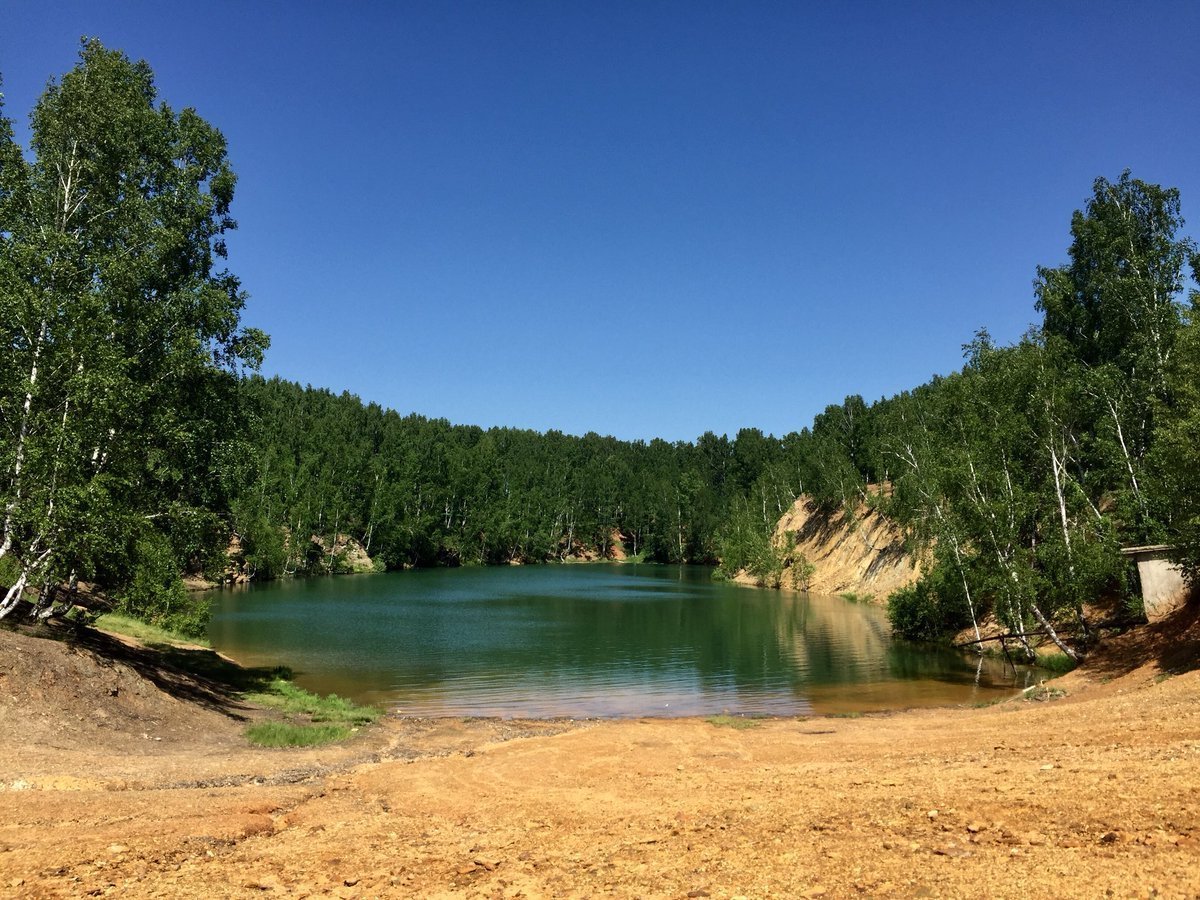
x=845, y=715
x=151, y=635
x=1056, y=662
x=741, y=723
x=291, y=734
x=309, y=719
x=291, y=700
x=857, y=598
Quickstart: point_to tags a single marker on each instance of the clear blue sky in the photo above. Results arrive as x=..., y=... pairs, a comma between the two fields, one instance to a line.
x=649, y=219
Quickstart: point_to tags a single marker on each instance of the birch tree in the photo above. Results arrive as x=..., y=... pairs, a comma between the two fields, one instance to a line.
x=121, y=330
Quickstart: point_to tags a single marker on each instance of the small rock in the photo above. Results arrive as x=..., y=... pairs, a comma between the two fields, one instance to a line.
x=1047, y=767
x=490, y=866
x=816, y=891
x=467, y=869
x=350, y=882
x=16, y=882
x=953, y=851
x=117, y=848
x=698, y=892
x=975, y=827
x=933, y=814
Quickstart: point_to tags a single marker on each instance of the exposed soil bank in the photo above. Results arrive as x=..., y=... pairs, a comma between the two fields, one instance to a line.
x=1096, y=791
x=863, y=552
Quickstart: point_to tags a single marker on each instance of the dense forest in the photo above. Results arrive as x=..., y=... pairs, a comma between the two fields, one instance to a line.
x=416, y=491
x=136, y=440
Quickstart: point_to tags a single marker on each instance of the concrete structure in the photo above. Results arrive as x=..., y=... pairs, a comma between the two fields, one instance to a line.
x=1164, y=589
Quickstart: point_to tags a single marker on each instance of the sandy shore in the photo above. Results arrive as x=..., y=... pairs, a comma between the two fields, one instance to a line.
x=1093, y=790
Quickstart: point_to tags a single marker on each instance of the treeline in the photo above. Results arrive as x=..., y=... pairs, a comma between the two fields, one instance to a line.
x=1025, y=473
x=132, y=445
x=1021, y=476
x=416, y=491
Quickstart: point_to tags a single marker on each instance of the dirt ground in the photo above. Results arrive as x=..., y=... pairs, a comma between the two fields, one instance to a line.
x=120, y=776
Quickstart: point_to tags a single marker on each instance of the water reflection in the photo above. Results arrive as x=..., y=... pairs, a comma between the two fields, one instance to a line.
x=587, y=641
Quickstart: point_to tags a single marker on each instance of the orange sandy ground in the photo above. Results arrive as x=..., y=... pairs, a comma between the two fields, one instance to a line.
x=1091, y=794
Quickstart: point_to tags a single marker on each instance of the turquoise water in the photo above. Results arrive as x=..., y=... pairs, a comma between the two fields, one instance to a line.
x=589, y=640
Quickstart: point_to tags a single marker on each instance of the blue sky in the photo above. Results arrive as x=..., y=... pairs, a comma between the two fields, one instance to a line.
x=649, y=219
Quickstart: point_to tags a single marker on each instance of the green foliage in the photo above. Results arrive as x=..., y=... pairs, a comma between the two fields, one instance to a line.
x=310, y=719
x=1059, y=663
x=421, y=492
x=291, y=734
x=1175, y=463
x=746, y=542
x=156, y=595
x=132, y=444
x=151, y=635
x=120, y=342
x=926, y=611
x=283, y=695
x=855, y=597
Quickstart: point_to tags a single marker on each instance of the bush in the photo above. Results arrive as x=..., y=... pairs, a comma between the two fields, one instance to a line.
x=926, y=611
x=155, y=593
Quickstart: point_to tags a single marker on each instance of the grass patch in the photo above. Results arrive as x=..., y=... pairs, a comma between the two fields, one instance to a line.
x=291, y=734
x=853, y=597
x=741, y=723
x=1056, y=662
x=291, y=700
x=845, y=715
x=151, y=635
x=309, y=719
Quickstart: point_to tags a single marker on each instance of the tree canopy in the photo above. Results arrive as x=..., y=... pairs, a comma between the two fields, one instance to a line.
x=122, y=333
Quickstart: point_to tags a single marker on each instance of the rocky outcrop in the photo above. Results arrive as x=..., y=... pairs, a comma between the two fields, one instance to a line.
x=862, y=551
x=344, y=555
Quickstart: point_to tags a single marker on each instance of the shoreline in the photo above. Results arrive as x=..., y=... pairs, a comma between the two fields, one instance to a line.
x=162, y=797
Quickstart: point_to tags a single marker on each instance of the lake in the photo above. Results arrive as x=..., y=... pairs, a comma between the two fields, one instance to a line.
x=590, y=640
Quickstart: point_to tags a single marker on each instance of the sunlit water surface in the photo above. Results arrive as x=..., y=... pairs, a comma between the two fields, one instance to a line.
x=590, y=640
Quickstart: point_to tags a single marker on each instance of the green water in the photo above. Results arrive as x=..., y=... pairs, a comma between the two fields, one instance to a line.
x=589, y=640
